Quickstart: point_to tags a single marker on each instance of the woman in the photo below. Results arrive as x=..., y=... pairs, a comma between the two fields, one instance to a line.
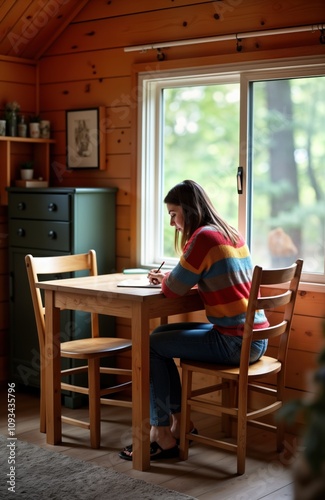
x=214, y=257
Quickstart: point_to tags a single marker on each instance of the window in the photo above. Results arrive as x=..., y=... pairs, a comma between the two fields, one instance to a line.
x=204, y=125
x=287, y=162
x=200, y=142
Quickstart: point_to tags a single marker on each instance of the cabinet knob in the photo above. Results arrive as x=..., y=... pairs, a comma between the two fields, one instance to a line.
x=21, y=205
x=21, y=232
x=52, y=235
x=52, y=207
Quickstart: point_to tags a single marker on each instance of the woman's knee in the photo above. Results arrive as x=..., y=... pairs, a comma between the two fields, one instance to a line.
x=155, y=339
x=162, y=343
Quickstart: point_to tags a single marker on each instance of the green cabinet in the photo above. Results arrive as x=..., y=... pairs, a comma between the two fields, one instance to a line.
x=53, y=221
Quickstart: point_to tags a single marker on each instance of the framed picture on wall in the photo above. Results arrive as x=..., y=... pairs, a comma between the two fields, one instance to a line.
x=85, y=130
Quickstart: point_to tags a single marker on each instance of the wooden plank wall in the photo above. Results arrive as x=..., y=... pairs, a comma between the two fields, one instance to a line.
x=87, y=67
x=18, y=82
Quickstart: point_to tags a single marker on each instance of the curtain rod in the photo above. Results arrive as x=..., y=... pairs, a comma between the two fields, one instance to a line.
x=221, y=38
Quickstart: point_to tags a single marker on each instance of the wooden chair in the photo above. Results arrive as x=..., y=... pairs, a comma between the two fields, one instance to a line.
x=89, y=349
x=238, y=383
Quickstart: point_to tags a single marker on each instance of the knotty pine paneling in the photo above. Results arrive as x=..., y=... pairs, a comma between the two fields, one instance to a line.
x=118, y=141
x=18, y=83
x=118, y=116
x=18, y=72
x=123, y=242
x=86, y=94
x=104, y=63
x=304, y=334
x=122, y=263
x=110, y=63
x=60, y=176
x=299, y=365
x=118, y=166
x=123, y=217
x=305, y=300
x=30, y=26
x=211, y=18
x=123, y=196
x=100, y=9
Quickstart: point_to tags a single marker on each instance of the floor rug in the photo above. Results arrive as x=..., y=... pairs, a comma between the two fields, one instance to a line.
x=32, y=473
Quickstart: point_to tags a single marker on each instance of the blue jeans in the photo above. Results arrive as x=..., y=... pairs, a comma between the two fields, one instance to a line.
x=193, y=341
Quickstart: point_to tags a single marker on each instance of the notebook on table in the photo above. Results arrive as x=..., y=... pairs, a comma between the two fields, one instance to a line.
x=138, y=283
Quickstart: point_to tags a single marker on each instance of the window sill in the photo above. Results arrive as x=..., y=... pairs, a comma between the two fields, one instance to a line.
x=305, y=287
x=312, y=287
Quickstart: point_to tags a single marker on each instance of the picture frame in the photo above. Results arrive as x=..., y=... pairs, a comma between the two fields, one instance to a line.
x=85, y=138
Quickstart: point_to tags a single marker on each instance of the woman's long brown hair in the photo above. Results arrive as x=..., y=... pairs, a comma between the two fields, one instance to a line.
x=198, y=211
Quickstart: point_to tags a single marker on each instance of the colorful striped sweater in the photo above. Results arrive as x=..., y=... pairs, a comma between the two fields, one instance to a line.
x=223, y=275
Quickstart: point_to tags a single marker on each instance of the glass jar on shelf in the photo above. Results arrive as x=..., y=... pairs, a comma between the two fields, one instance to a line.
x=22, y=127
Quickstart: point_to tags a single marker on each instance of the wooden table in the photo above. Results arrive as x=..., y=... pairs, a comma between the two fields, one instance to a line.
x=100, y=294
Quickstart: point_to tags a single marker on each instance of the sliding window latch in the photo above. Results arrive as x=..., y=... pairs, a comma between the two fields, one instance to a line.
x=240, y=180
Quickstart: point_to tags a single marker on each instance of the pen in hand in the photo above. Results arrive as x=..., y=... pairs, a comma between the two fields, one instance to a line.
x=157, y=271
x=154, y=280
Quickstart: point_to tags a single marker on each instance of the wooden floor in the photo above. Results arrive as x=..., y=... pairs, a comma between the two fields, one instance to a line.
x=207, y=474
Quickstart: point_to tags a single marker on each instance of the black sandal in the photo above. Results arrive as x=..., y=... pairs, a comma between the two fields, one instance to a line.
x=156, y=452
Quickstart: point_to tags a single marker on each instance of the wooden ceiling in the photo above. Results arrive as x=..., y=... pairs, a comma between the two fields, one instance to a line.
x=29, y=27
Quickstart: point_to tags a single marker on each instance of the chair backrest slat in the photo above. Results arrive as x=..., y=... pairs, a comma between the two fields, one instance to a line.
x=278, y=276
x=273, y=301
x=286, y=282
x=64, y=264
x=271, y=331
x=38, y=267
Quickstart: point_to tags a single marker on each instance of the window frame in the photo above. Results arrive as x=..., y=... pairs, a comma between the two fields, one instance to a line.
x=149, y=158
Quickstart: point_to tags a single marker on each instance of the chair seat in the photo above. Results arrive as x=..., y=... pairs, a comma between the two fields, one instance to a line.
x=264, y=366
x=94, y=347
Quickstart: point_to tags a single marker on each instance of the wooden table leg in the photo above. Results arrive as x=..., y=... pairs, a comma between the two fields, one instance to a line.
x=52, y=370
x=140, y=387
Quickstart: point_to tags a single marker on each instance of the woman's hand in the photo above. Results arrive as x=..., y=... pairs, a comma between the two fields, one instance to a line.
x=155, y=277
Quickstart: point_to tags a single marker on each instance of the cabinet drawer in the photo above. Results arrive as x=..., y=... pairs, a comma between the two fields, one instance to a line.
x=40, y=234
x=45, y=206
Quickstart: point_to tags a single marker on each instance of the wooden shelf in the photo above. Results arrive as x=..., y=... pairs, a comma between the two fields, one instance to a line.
x=30, y=140
x=15, y=150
